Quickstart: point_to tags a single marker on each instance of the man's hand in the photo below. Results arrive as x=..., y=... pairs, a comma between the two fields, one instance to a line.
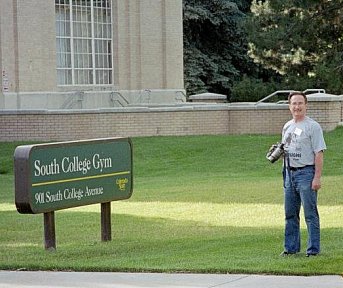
x=316, y=184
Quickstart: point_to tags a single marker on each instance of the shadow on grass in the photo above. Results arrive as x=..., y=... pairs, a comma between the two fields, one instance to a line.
x=156, y=245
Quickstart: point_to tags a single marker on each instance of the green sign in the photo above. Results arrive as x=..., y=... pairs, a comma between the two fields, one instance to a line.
x=61, y=175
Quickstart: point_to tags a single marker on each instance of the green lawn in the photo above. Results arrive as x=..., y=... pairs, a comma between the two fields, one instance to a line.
x=200, y=204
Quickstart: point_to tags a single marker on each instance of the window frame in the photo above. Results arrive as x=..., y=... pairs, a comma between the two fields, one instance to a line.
x=84, y=42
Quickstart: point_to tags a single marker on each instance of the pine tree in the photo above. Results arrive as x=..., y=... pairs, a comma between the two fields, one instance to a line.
x=215, y=46
x=299, y=39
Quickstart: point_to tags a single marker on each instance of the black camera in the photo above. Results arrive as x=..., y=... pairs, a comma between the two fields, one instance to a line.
x=275, y=152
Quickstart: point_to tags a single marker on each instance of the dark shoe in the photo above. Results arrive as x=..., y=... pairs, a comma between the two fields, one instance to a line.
x=310, y=254
x=285, y=254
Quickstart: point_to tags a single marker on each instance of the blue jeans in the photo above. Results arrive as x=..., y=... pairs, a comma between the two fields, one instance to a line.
x=297, y=191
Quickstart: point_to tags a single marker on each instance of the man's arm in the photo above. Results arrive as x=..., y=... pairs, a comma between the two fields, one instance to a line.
x=318, y=163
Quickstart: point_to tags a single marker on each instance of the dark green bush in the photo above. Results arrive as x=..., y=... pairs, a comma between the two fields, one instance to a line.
x=252, y=90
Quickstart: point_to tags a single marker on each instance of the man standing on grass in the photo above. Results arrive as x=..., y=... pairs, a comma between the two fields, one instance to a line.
x=303, y=163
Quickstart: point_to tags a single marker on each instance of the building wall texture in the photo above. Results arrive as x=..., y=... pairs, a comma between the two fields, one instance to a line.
x=147, y=54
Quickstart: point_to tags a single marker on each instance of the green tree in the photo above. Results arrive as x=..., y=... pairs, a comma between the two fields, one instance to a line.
x=215, y=46
x=300, y=39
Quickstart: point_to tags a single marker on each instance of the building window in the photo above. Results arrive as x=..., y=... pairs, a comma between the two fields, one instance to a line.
x=84, y=42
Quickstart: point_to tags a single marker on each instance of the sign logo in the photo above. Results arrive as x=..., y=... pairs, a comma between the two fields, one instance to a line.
x=122, y=183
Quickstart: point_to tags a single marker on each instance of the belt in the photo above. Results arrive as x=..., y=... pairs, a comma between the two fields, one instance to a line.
x=299, y=168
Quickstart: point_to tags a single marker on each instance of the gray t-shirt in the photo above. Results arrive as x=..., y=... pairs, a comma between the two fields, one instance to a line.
x=302, y=140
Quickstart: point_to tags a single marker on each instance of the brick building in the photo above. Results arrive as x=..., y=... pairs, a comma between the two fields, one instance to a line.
x=57, y=54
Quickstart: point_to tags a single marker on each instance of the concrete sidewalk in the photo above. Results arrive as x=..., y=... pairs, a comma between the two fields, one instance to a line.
x=10, y=279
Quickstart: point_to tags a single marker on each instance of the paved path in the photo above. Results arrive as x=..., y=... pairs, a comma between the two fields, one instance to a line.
x=11, y=279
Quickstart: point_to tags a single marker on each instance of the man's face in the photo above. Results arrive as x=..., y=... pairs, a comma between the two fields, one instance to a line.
x=298, y=107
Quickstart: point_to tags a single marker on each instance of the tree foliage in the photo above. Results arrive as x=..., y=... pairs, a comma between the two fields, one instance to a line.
x=300, y=39
x=292, y=44
x=215, y=46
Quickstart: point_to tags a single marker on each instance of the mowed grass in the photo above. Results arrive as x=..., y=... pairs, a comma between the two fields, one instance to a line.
x=200, y=204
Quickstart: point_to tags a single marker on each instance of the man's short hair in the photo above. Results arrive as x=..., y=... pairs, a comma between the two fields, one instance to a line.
x=296, y=93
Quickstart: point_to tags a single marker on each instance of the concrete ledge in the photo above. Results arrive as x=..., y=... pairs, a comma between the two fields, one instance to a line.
x=323, y=97
x=208, y=97
x=153, y=108
x=90, y=99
